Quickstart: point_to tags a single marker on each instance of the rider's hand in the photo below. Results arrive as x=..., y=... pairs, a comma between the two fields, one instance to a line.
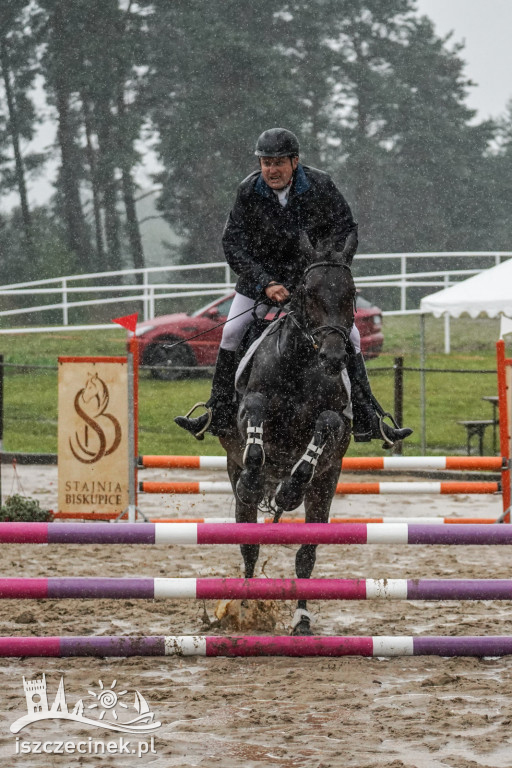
x=277, y=292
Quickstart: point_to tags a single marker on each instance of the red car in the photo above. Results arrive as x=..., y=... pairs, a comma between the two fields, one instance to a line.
x=157, y=336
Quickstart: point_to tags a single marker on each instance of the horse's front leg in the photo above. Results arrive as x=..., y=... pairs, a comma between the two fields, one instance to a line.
x=290, y=493
x=250, y=487
x=318, y=501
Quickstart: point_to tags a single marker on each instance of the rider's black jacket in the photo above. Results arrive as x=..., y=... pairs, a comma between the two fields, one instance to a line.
x=261, y=238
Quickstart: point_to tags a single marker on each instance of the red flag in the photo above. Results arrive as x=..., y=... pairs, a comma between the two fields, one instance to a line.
x=128, y=321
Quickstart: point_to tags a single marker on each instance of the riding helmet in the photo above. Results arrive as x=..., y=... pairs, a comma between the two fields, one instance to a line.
x=277, y=142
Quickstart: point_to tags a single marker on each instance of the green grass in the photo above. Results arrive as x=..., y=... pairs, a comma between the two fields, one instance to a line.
x=30, y=397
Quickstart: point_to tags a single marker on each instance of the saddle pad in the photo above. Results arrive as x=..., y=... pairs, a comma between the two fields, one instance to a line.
x=240, y=381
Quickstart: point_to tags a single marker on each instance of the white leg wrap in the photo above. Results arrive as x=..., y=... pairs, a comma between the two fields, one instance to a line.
x=312, y=454
x=300, y=614
x=254, y=437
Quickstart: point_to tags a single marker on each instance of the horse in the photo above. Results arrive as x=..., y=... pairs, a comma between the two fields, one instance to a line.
x=293, y=423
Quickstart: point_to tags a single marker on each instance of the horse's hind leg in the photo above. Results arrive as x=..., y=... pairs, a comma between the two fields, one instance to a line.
x=290, y=492
x=244, y=514
x=318, y=503
x=250, y=486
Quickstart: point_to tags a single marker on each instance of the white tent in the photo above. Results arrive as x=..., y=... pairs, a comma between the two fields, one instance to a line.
x=489, y=292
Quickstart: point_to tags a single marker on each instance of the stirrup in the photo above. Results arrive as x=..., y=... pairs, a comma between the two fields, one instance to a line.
x=386, y=415
x=209, y=411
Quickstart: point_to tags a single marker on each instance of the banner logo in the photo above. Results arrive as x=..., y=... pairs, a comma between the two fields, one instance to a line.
x=101, y=432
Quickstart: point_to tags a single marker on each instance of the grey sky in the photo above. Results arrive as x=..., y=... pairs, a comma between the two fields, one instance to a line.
x=485, y=26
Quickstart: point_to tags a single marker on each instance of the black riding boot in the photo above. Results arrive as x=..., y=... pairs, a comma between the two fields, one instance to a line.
x=221, y=408
x=368, y=421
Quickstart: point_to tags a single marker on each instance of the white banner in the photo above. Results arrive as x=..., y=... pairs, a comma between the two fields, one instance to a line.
x=93, y=434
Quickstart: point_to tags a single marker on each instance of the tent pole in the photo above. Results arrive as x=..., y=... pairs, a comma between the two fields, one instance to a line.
x=423, y=401
x=447, y=343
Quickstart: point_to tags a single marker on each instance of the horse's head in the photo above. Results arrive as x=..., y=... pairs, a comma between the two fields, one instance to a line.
x=325, y=303
x=95, y=394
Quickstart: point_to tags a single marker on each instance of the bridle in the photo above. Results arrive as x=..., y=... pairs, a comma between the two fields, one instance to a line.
x=303, y=325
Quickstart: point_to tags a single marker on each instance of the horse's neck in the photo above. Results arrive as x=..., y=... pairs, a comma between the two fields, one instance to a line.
x=293, y=345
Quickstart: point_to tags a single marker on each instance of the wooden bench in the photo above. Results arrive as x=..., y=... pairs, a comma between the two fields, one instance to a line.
x=476, y=427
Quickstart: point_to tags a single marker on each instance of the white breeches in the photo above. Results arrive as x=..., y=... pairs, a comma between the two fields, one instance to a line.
x=234, y=330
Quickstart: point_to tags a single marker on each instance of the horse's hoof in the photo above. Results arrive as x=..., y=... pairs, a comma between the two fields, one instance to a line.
x=302, y=629
x=250, y=489
x=289, y=495
x=301, y=623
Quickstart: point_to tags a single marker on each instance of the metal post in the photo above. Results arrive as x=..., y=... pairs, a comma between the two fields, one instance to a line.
x=447, y=340
x=145, y=303
x=399, y=400
x=423, y=397
x=151, y=302
x=403, y=290
x=64, y=302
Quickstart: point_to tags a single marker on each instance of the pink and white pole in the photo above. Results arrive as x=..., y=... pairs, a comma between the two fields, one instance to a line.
x=256, y=589
x=200, y=645
x=252, y=533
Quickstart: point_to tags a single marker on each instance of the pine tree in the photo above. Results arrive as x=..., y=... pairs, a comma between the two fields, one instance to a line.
x=19, y=28
x=218, y=78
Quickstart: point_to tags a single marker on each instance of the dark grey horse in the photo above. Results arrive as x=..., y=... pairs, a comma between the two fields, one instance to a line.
x=291, y=430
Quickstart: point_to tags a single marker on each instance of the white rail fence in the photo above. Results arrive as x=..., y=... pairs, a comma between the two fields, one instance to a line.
x=139, y=286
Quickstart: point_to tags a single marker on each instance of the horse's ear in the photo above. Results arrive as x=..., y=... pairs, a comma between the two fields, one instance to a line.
x=326, y=250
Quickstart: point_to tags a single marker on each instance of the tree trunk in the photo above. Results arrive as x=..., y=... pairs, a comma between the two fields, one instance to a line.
x=108, y=182
x=15, y=136
x=75, y=223
x=364, y=177
x=132, y=222
x=96, y=198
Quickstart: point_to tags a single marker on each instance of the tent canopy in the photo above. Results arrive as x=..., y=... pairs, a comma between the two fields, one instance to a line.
x=489, y=292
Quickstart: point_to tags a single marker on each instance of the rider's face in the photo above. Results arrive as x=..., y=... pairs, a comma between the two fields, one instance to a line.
x=277, y=171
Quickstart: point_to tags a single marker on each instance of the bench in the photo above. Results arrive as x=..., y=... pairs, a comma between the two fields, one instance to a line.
x=476, y=427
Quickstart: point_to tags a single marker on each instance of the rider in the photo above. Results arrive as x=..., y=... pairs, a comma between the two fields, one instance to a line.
x=261, y=240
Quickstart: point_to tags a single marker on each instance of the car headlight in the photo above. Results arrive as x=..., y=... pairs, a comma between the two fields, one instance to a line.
x=141, y=330
x=377, y=320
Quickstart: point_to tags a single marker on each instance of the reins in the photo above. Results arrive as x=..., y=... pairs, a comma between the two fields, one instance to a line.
x=219, y=325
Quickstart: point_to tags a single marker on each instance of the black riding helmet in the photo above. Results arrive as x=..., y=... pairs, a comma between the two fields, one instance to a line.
x=277, y=142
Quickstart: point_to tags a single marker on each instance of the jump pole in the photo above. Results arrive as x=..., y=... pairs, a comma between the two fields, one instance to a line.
x=268, y=520
x=349, y=463
x=344, y=520
x=255, y=589
x=252, y=533
x=238, y=646
x=342, y=489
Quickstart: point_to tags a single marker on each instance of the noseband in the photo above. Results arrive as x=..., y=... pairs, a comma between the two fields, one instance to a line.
x=303, y=326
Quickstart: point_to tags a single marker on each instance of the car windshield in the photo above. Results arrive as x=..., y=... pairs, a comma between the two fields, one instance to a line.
x=362, y=303
x=222, y=308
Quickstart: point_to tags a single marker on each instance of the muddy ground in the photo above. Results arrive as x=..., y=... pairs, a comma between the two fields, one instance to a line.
x=416, y=712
